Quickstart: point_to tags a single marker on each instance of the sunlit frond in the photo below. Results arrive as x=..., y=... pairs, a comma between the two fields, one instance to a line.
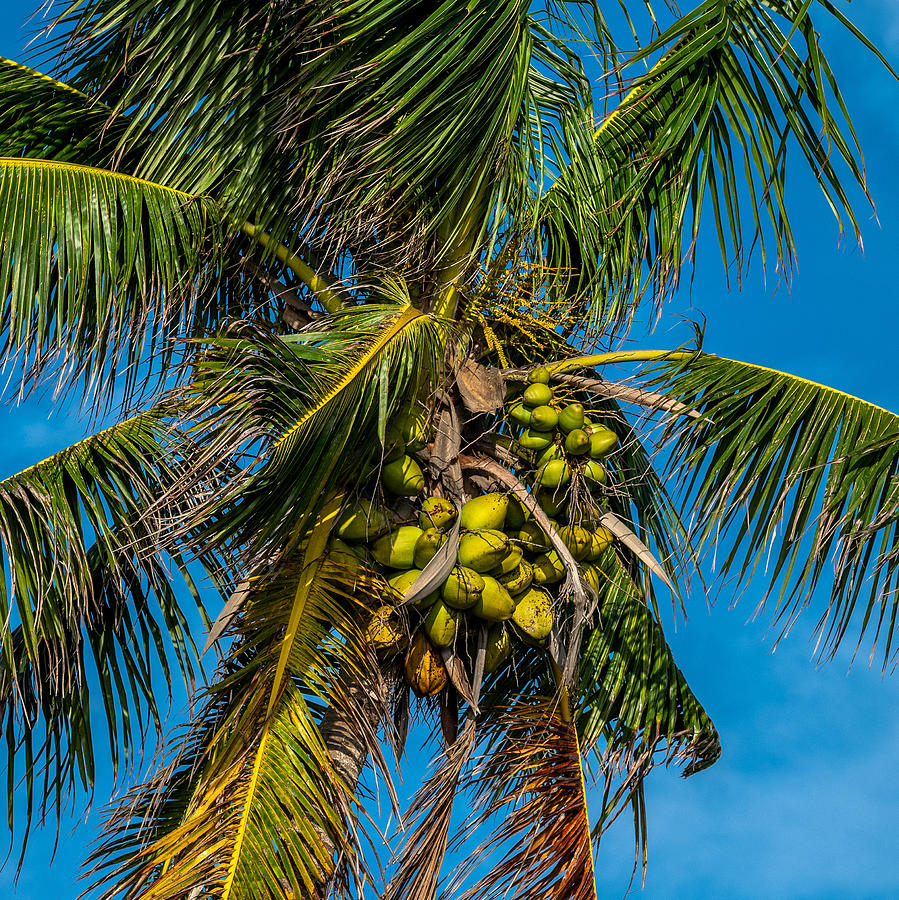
x=250, y=805
x=735, y=87
x=797, y=478
x=96, y=268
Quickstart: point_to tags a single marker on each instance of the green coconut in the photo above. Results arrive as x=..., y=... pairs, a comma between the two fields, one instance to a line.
x=397, y=549
x=534, y=440
x=462, y=588
x=577, y=443
x=427, y=545
x=602, y=440
x=532, y=537
x=402, y=581
x=543, y=418
x=540, y=375
x=404, y=477
x=553, y=474
x=571, y=417
x=363, y=521
x=486, y=511
x=495, y=603
x=537, y=394
x=484, y=549
x=440, y=624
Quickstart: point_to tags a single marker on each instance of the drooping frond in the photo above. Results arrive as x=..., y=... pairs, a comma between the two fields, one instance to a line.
x=631, y=692
x=429, y=817
x=533, y=776
x=251, y=806
x=299, y=413
x=96, y=268
x=87, y=592
x=734, y=88
x=799, y=477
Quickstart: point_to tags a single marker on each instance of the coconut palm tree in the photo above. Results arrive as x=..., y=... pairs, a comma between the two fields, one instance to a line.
x=326, y=259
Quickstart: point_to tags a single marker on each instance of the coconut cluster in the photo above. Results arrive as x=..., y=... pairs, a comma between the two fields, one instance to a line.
x=504, y=572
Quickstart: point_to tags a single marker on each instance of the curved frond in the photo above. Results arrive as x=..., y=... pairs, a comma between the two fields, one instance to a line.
x=41, y=118
x=797, y=477
x=87, y=592
x=95, y=267
x=299, y=413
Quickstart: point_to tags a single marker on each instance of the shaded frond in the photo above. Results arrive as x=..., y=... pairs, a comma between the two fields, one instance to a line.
x=299, y=413
x=799, y=477
x=96, y=268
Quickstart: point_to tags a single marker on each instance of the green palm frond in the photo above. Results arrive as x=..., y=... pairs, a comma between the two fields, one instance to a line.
x=96, y=267
x=250, y=805
x=299, y=414
x=41, y=118
x=800, y=477
x=88, y=593
x=737, y=86
x=631, y=692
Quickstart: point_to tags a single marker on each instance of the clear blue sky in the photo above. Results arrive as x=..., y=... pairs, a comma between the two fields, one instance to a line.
x=805, y=800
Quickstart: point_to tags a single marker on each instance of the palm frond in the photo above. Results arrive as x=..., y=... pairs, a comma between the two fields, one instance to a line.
x=87, y=593
x=534, y=776
x=799, y=477
x=631, y=692
x=96, y=267
x=298, y=414
x=734, y=88
x=42, y=118
x=250, y=805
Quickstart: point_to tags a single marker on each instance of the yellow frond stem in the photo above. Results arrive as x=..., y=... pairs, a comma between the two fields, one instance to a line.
x=408, y=316
x=311, y=565
x=315, y=282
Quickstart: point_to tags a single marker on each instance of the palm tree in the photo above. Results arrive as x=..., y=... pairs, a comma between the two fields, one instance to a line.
x=311, y=247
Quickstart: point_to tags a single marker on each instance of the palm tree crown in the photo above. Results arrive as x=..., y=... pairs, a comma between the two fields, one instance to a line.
x=355, y=271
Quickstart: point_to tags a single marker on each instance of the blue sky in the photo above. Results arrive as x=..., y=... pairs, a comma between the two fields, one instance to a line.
x=804, y=801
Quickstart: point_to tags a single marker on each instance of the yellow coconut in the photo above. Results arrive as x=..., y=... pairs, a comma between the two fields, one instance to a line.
x=385, y=632
x=548, y=568
x=519, y=579
x=484, y=549
x=486, y=511
x=424, y=667
x=499, y=648
x=437, y=512
x=577, y=539
x=600, y=541
x=534, y=615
